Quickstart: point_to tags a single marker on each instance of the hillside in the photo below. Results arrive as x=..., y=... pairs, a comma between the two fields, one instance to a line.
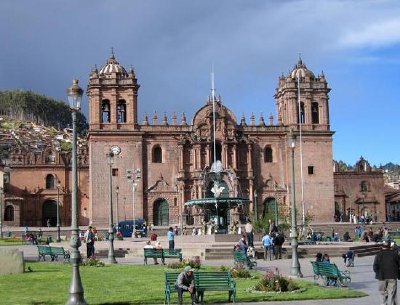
x=32, y=107
x=33, y=122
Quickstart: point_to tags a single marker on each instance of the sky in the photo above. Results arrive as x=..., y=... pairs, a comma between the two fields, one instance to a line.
x=173, y=45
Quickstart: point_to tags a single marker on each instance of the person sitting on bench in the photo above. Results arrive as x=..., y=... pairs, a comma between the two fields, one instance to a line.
x=185, y=282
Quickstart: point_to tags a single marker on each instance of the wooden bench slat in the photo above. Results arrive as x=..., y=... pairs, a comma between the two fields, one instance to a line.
x=240, y=257
x=329, y=271
x=161, y=253
x=204, y=281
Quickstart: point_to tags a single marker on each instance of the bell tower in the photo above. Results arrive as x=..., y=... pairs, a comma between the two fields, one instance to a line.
x=302, y=98
x=112, y=94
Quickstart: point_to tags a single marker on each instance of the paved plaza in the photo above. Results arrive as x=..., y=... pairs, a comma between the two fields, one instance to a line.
x=361, y=274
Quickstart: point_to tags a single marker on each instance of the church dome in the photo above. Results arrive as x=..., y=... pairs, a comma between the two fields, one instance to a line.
x=113, y=66
x=301, y=70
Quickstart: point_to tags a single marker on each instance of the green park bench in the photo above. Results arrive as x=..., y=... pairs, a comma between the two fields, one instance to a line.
x=162, y=254
x=53, y=252
x=43, y=251
x=330, y=271
x=153, y=253
x=203, y=281
x=241, y=258
x=214, y=281
x=173, y=253
x=59, y=251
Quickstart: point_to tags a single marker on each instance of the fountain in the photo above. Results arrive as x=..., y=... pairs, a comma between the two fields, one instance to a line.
x=216, y=202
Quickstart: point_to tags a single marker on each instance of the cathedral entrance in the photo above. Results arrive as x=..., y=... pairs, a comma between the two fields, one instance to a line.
x=161, y=212
x=271, y=209
x=49, y=211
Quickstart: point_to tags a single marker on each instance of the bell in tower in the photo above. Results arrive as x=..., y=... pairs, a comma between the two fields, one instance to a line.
x=302, y=99
x=112, y=93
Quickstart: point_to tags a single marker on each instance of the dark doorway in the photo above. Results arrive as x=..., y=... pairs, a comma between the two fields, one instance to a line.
x=49, y=212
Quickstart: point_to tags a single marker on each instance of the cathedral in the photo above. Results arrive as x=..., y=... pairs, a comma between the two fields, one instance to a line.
x=154, y=167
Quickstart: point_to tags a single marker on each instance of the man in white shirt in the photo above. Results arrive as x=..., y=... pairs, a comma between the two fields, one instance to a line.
x=248, y=228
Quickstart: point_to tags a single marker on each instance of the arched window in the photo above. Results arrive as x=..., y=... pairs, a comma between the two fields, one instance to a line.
x=268, y=154
x=49, y=181
x=121, y=111
x=157, y=154
x=314, y=113
x=9, y=213
x=302, y=116
x=364, y=186
x=105, y=111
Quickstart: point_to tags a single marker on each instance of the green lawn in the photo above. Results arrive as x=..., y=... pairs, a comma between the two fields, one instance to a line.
x=49, y=282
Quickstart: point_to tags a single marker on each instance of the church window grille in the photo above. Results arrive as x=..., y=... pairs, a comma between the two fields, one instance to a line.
x=302, y=116
x=105, y=111
x=115, y=172
x=314, y=113
x=364, y=186
x=268, y=158
x=157, y=154
x=121, y=111
x=49, y=181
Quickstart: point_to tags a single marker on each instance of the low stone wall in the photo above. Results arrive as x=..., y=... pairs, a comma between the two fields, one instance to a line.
x=11, y=261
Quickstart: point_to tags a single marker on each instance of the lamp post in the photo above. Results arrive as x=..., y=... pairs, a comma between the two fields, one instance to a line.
x=116, y=207
x=255, y=205
x=76, y=289
x=295, y=269
x=58, y=239
x=134, y=176
x=111, y=253
x=1, y=212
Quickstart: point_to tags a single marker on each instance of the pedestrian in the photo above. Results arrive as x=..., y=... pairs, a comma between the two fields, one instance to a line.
x=153, y=236
x=266, y=242
x=272, y=228
x=89, y=239
x=277, y=243
x=248, y=228
x=243, y=245
x=387, y=270
x=171, y=238
x=185, y=282
x=48, y=222
x=318, y=257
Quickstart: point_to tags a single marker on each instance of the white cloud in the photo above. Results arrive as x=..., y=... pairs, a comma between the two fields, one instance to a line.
x=378, y=34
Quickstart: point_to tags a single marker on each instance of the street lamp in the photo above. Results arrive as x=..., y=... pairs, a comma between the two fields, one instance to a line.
x=111, y=253
x=58, y=212
x=76, y=289
x=116, y=207
x=1, y=211
x=295, y=270
x=134, y=175
x=255, y=205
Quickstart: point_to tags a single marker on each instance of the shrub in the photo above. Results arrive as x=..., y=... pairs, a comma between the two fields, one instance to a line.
x=194, y=263
x=93, y=262
x=276, y=283
x=239, y=271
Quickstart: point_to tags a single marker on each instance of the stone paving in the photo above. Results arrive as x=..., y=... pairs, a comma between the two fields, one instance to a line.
x=361, y=274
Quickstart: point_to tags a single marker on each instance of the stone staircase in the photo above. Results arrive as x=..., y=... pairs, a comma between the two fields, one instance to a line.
x=216, y=252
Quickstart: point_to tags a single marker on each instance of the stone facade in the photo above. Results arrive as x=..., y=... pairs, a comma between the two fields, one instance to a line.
x=359, y=193
x=158, y=164
x=171, y=156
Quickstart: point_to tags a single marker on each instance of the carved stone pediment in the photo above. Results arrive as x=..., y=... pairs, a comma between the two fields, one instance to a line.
x=161, y=186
